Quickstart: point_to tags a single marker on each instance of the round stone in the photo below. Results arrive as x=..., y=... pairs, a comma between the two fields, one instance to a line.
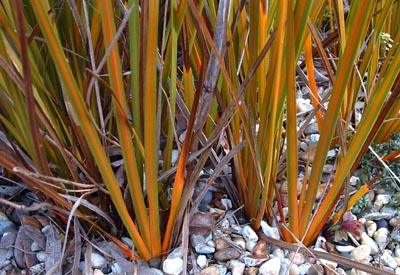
x=97, y=260
x=173, y=266
x=201, y=261
x=270, y=267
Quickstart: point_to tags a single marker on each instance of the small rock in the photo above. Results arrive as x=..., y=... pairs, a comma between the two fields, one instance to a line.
x=237, y=267
x=251, y=271
x=381, y=237
x=37, y=268
x=201, y=261
x=394, y=222
x=252, y=261
x=388, y=260
x=97, y=260
x=260, y=249
x=227, y=203
x=249, y=234
x=199, y=245
x=314, y=138
x=315, y=269
x=278, y=253
x=41, y=256
x=296, y=258
x=35, y=247
x=367, y=240
x=270, y=267
x=176, y=253
x=312, y=128
x=361, y=252
x=344, y=248
x=304, y=268
x=97, y=272
x=222, y=269
x=376, y=216
x=220, y=243
x=397, y=251
x=250, y=245
x=285, y=264
x=381, y=200
x=269, y=231
x=371, y=227
x=226, y=254
x=127, y=241
x=239, y=241
x=294, y=269
x=173, y=266
x=6, y=226
x=116, y=268
x=147, y=271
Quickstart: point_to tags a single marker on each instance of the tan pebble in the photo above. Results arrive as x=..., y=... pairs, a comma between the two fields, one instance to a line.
x=361, y=252
x=211, y=270
x=394, y=222
x=331, y=248
x=227, y=254
x=251, y=270
x=260, y=249
x=220, y=244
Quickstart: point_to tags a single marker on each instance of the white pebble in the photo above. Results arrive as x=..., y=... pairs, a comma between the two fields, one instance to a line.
x=201, y=261
x=173, y=266
x=41, y=256
x=388, y=260
x=272, y=232
x=381, y=236
x=367, y=240
x=270, y=267
x=249, y=234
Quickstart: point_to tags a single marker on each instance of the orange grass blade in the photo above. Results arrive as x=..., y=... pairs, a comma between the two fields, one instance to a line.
x=81, y=115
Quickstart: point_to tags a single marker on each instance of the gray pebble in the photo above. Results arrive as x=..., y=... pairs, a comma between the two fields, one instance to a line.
x=97, y=260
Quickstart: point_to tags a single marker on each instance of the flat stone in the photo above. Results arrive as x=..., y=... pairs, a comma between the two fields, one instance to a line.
x=252, y=261
x=388, y=260
x=367, y=240
x=344, y=248
x=270, y=267
x=220, y=243
x=226, y=254
x=361, y=252
x=381, y=237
